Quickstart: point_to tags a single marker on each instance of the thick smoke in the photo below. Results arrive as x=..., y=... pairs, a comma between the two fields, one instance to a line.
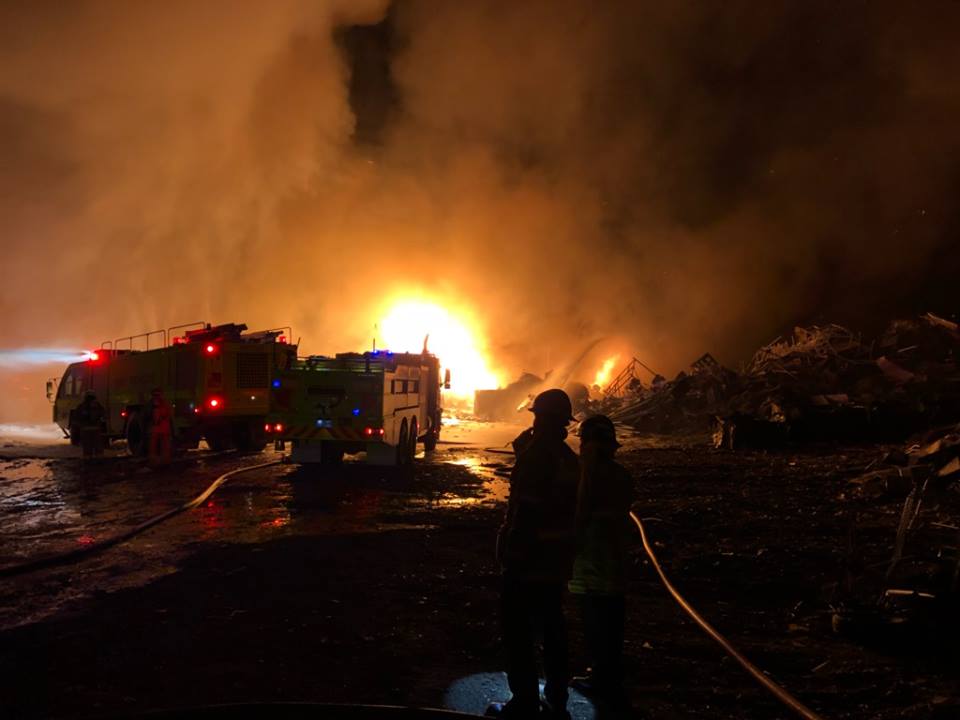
x=684, y=176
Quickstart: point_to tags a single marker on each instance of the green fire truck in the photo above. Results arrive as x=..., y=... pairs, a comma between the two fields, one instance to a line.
x=216, y=378
x=377, y=402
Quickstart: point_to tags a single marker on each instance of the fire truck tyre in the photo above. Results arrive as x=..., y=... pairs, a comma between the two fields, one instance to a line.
x=413, y=439
x=73, y=430
x=218, y=441
x=250, y=437
x=403, y=449
x=330, y=454
x=137, y=435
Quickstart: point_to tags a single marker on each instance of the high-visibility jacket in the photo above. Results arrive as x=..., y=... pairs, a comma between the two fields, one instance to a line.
x=536, y=541
x=604, y=530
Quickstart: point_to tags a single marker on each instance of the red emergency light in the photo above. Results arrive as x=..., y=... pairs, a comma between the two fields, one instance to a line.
x=214, y=403
x=211, y=349
x=371, y=432
x=93, y=356
x=276, y=427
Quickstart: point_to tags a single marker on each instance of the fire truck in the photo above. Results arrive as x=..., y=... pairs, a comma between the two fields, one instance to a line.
x=216, y=378
x=379, y=402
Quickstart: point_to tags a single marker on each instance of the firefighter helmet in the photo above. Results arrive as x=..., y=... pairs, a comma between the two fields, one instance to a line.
x=598, y=428
x=554, y=402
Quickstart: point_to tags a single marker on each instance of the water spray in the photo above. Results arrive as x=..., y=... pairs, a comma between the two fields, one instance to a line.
x=35, y=357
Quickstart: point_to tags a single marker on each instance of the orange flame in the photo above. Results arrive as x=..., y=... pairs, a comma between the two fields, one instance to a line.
x=606, y=369
x=455, y=337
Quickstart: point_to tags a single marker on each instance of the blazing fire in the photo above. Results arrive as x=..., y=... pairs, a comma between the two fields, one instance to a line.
x=455, y=338
x=605, y=371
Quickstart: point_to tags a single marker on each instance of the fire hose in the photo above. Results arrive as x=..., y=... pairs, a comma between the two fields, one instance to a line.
x=781, y=694
x=97, y=547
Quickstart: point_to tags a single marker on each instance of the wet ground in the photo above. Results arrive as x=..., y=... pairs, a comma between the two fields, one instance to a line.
x=367, y=585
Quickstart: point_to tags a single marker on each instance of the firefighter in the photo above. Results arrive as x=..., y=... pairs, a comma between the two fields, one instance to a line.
x=600, y=566
x=88, y=418
x=535, y=548
x=161, y=429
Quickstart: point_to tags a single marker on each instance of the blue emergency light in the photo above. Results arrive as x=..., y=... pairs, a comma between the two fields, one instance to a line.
x=276, y=383
x=356, y=412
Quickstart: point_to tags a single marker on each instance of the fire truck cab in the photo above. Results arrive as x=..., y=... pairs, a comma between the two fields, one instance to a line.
x=377, y=402
x=216, y=378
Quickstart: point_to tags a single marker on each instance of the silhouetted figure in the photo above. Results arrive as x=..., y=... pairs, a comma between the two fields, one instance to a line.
x=535, y=549
x=161, y=429
x=600, y=567
x=88, y=420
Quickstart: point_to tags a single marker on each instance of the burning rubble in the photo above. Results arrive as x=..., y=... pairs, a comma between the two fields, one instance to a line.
x=825, y=383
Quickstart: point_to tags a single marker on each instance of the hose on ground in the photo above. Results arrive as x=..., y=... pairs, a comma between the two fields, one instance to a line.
x=97, y=547
x=782, y=695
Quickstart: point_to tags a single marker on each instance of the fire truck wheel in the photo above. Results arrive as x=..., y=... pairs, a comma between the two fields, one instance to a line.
x=136, y=435
x=217, y=441
x=330, y=455
x=413, y=439
x=403, y=446
x=249, y=437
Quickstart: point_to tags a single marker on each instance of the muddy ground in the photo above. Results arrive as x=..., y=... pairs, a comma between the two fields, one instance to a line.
x=368, y=586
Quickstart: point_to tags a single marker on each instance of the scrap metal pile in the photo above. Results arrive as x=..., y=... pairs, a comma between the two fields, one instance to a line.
x=823, y=383
x=921, y=580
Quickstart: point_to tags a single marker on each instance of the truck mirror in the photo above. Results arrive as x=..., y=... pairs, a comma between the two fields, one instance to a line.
x=50, y=390
x=446, y=379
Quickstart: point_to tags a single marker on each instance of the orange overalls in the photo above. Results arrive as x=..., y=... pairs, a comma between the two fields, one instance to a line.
x=161, y=432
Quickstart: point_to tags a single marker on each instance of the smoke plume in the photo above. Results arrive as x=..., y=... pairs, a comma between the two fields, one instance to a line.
x=680, y=176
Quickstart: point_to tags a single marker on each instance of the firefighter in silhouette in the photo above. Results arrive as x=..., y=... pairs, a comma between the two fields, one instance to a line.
x=535, y=548
x=88, y=418
x=161, y=429
x=600, y=567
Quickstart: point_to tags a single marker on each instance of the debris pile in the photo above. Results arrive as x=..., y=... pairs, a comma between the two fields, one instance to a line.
x=921, y=581
x=823, y=383
x=685, y=403
x=819, y=384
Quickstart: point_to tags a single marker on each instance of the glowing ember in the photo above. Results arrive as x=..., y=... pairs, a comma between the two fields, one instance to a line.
x=603, y=374
x=456, y=340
